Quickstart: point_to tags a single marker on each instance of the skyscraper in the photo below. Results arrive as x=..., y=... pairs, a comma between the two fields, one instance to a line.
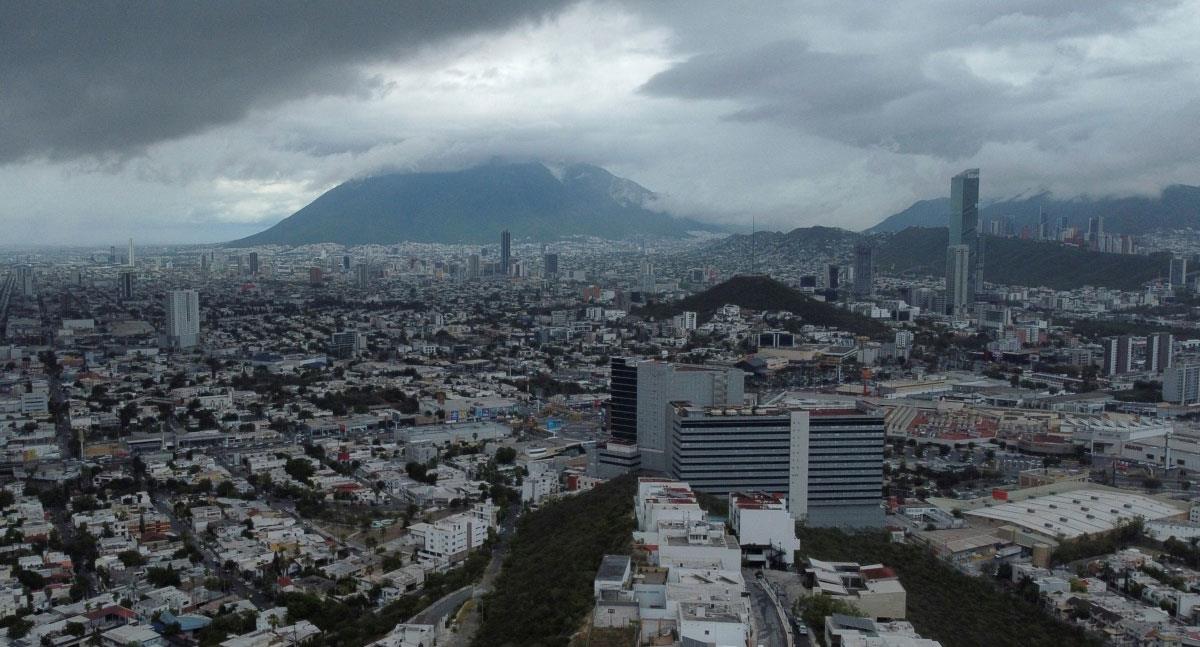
x=646, y=277
x=958, y=280
x=1159, y=352
x=833, y=275
x=126, y=285
x=864, y=269
x=622, y=405
x=182, y=308
x=550, y=264
x=505, y=252
x=1118, y=355
x=254, y=263
x=473, y=267
x=131, y=259
x=1178, y=275
x=964, y=230
x=362, y=276
x=1095, y=232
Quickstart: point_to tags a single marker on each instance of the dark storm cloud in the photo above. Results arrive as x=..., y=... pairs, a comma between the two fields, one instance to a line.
x=101, y=78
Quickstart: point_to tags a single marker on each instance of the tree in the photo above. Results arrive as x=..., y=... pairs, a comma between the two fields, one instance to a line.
x=506, y=455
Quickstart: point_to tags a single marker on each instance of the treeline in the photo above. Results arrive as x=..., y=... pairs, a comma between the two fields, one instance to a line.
x=1086, y=545
x=545, y=589
x=943, y=603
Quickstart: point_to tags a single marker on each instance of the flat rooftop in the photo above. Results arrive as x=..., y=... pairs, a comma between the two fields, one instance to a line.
x=1077, y=512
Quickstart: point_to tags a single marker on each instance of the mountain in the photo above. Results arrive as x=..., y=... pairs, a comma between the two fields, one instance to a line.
x=1014, y=261
x=1177, y=207
x=474, y=206
x=758, y=292
x=802, y=241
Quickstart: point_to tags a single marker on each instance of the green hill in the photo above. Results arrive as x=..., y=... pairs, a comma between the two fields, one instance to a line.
x=758, y=292
x=1014, y=261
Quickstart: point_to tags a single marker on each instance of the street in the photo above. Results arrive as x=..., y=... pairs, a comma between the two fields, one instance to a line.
x=769, y=630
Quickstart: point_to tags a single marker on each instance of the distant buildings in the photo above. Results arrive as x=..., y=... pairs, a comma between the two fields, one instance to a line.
x=1118, y=355
x=958, y=279
x=864, y=270
x=126, y=285
x=964, y=231
x=1160, y=352
x=550, y=265
x=182, y=309
x=1178, y=274
x=505, y=253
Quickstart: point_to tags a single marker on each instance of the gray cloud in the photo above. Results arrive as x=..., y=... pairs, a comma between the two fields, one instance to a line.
x=106, y=78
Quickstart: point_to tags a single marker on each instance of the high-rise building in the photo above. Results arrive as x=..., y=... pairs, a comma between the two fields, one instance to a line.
x=126, y=285
x=864, y=270
x=362, y=276
x=646, y=279
x=837, y=480
x=1159, y=352
x=473, y=267
x=345, y=262
x=182, y=308
x=131, y=259
x=1045, y=230
x=660, y=383
x=1181, y=384
x=23, y=275
x=958, y=279
x=550, y=265
x=505, y=252
x=1178, y=275
x=622, y=405
x=1118, y=355
x=254, y=263
x=314, y=275
x=829, y=461
x=1095, y=232
x=833, y=276
x=346, y=343
x=964, y=230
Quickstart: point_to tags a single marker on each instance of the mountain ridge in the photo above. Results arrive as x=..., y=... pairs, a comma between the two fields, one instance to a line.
x=474, y=205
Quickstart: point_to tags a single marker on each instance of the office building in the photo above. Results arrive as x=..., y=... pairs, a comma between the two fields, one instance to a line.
x=362, y=276
x=505, y=253
x=126, y=285
x=646, y=279
x=958, y=279
x=729, y=449
x=1178, y=274
x=1181, y=384
x=1118, y=355
x=131, y=258
x=1095, y=232
x=550, y=265
x=473, y=267
x=833, y=275
x=622, y=405
x=1045, y=229
x=346, y=344
x=661, y=383
x=964, y=230
x=828, y=461
x=346, y=263
x=24, y=280
x=254, y=263
x=864, y=270
x=837, y=477
x=182, y=308
x=1160, y=352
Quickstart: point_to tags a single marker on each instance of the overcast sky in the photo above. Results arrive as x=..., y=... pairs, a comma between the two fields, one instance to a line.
x=200, y=122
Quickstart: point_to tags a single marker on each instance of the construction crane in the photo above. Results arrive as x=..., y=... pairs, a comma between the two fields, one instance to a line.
x=866, y=378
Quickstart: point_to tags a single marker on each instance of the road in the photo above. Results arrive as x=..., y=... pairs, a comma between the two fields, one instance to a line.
x=764, y=615
x=437, y=612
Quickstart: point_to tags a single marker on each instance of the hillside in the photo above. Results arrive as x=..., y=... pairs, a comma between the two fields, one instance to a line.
x=1020, y=262
x=765, y=244
x=1176, y=207
x=474, y=206
x=758, y=292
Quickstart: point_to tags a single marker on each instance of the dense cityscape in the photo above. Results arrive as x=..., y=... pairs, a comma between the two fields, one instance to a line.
x=590, y=323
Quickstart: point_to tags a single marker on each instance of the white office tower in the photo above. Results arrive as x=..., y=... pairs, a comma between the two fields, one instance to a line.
x=1181, y=384
x=661, y=383
x=131, y=259
x=836, y=477
x=182, y=309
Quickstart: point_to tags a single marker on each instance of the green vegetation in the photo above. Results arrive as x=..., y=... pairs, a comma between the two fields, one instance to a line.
x=545, y=589
x=943, y=603
x=764, y=293
x=813, y=609
x=1022, y=262
x=1085, y=545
